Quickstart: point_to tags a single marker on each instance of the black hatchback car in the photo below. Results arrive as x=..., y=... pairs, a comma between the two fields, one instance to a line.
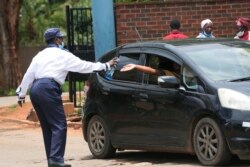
x=204, y=110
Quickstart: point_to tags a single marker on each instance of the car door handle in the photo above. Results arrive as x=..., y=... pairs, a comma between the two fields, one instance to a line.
x=143, y=95
x=105, y=91
x=140, y=96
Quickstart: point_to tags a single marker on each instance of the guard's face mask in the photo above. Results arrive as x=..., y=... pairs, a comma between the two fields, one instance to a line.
x=61, y=46
x=61, y=43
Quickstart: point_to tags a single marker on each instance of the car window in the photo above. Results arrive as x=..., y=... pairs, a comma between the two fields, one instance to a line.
x=124, y=76
x=164, y=65
x=108, y=56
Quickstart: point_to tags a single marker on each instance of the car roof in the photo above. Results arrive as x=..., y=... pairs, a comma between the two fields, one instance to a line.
x=183, y=42
x=175, y=46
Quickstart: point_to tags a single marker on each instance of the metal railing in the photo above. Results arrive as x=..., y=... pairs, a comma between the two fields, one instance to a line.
x=81, y=44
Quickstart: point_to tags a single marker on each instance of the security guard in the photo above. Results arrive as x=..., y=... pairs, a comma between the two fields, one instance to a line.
x=45, y=75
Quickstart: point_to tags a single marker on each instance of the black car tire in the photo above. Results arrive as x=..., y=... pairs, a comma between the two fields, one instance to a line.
x=209, y=144
x=99, y=139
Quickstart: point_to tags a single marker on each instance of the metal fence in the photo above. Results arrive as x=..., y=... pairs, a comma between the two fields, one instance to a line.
x=81, y=44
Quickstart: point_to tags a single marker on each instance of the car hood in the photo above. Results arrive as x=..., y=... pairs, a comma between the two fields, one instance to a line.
x=243, y=87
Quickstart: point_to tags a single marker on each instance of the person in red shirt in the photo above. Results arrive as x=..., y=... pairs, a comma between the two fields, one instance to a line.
x=242, y=25
x=175, y=33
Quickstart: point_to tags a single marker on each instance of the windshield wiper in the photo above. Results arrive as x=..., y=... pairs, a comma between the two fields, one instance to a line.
x=239, y=79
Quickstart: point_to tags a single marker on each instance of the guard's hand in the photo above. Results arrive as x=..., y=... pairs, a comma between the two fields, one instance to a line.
x=128, y=67
x=113, y=62
x=21, y=101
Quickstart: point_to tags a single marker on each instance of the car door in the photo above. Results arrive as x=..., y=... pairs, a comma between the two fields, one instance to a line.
x=121, y=114
x=163, y=117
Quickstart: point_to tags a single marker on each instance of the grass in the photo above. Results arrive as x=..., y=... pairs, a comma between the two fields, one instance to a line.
x=13, y=106
x=10, y=92
x=65, y=87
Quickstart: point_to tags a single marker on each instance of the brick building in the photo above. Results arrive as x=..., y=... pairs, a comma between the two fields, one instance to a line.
x=152, y=18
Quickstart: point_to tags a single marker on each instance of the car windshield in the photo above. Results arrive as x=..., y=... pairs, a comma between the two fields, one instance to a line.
x=219, y=62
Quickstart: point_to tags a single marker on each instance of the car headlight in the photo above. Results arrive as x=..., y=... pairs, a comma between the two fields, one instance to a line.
x=233, y=99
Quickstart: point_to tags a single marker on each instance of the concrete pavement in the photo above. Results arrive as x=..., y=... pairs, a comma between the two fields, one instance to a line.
x=10, y=100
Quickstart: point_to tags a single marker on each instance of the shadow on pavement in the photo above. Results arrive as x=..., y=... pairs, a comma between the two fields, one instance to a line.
x=156, y=158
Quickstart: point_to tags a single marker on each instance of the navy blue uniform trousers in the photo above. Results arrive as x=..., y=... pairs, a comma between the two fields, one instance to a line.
x=45, y=95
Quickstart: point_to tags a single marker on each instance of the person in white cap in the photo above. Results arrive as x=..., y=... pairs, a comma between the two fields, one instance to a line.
x=206, y=29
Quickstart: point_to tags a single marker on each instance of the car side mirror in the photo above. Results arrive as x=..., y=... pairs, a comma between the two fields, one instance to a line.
x=168, y=82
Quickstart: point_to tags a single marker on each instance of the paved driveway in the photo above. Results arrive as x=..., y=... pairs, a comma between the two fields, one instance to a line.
x=10, y=100
x=22, y=146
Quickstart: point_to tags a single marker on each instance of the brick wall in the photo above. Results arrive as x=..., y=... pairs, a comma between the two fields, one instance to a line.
x=152, y=18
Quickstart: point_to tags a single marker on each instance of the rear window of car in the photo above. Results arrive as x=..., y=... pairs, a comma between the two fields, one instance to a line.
x=124, y=59
x=128, y=75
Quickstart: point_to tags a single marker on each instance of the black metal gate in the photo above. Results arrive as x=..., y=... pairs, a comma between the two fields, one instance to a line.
x=81, y=44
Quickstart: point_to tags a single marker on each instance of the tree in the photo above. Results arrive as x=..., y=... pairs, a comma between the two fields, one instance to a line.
x=36, y=17
x=10, y=75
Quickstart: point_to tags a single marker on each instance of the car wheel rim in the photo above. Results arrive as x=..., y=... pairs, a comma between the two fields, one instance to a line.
x=207, y=142
x=97, y=137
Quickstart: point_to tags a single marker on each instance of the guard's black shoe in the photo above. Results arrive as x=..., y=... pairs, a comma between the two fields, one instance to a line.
x=59, y=165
